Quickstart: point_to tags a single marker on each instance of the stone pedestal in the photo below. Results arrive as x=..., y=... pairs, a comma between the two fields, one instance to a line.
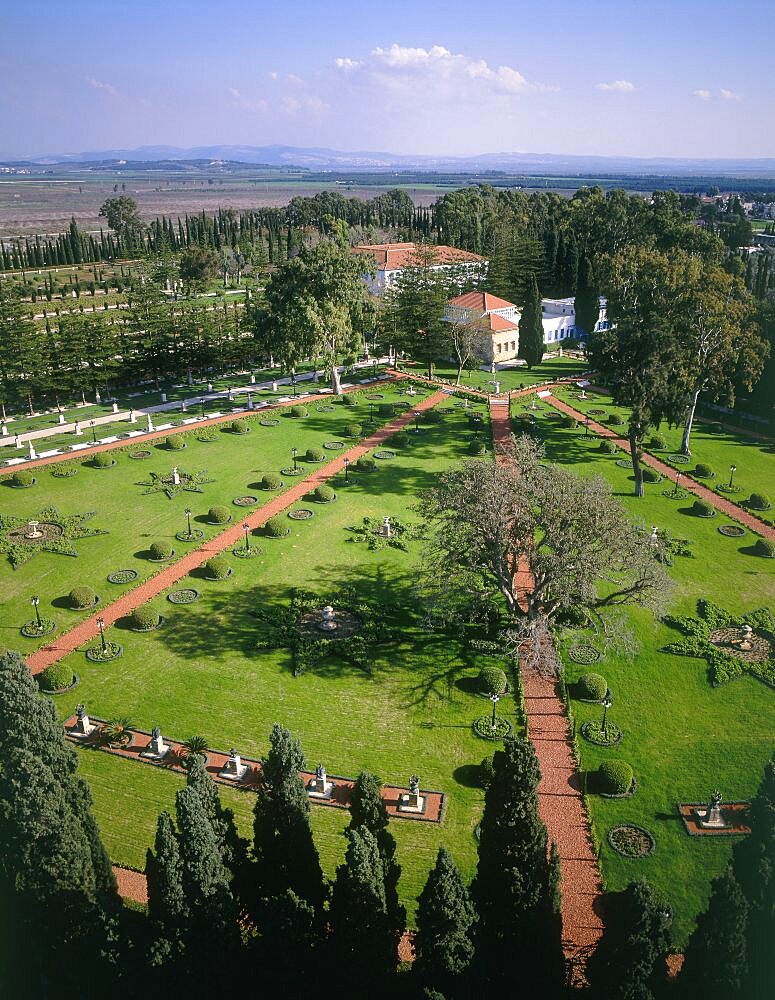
x=411, y=802
x=274, y=386
x=711, y=819
x=164, y=397
x=209, y=386
x=250, y=401
x=61, y=419
x=83, y=728
x=252, y=379
x=97, y=397
x=233, y=769
x=115, y=407
x=156, y=750
x=77, y=429
x=150, y=423
x=320, y=787
x=132, y=417
x=33, y=453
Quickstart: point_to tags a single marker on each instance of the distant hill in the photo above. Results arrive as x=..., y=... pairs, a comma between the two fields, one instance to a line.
x=320, y=159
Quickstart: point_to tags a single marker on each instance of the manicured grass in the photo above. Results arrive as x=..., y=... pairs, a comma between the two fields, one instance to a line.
x=201, y=674
x=683, y=738
x=512, y=378
x=235, y=463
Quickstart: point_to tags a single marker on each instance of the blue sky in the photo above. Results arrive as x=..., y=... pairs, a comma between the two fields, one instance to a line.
x=631, y=77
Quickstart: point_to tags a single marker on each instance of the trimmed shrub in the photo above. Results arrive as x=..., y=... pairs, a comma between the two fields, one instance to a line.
x=160, y=550
x=102, y=460
x=175, y=442
x=759, y=501
x=616, y=419
x=703, y=471
x=701, y=508
x=386, y=409
x=23, y=478
x=569, y=421
x=614, y=777
x=238, y=427
x=276, y=527
x=57, y=676
x=651, y=476
x=491, y=680
x=324, y=494
x=608, y=447
x=349, y=400
x=764, y=547
x=366, y=463
x=81, y=598
x=400, y=439
x=315, y=454
x=592, y=687
x=432, y=417
x=297, y=411
x=145, y=618
x=217, y=568
x=219, y=515
x=477, y=448
x=271, y=481
x=487, y=771
x=658, y=442
x=353, y=430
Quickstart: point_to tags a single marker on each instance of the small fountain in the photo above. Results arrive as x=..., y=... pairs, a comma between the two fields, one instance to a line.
x=33, y=533
x=327, y=622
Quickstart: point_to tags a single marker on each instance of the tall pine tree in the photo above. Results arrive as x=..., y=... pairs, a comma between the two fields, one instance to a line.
x=444, y=942
x=167, y=905
x=531, y=329
x=587, y=302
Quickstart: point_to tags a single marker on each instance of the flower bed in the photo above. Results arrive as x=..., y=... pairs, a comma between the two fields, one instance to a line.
x=293, y=472
x=301, y=514
x=631, y=841
x=63, y=471
x=185, y=596
x=325, y=408
x=482, y=728
x=593, y=733
x=139, y=455
x=123, y=576
x=31, y=629
x=624, y=463
x=243, y=553
x=731, y=530
x=597, y=412
x=196, y=535
x=246, y=501
x=384, y=453
x=678, y=459
x=269, y=422
x=584, y=653
x=334, y=445
x=112, y=651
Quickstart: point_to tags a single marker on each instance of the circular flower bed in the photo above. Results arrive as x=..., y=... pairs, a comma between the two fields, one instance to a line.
x=731, y=530
x=384, y=453
x=196, y=535
x=483, y=728
x=596, y=412
x=593, y=733
x=185, y=596
x=301, y=514
x=139, y=454
x=676, y=493
x=269, y=422
x=334, y=445
x=31, y=630
x=97, y=654
x=624, y=463
x=325, y=408
x=375, y=395
x=243, y=553
x=631, y=841
x=290, y=471
x=584, y=653
x=246, y=501
x=123, y=576
x=726, y=488
x=678, y=459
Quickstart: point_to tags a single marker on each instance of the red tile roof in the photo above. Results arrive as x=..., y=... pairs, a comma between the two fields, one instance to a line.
x=498, y=324
x=481, y=302
x=392, y=256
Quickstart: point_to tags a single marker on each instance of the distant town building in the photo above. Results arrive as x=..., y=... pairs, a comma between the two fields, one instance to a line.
x=390, y=259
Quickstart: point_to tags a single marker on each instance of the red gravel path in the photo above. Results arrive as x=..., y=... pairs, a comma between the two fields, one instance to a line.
x=231, y=537
x=560, y=802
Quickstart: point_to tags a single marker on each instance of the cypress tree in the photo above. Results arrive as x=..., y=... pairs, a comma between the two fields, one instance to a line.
x=512, y=887
x=630, y=960
x=368, y=810
x=716, y=956
x=531, y=330
x=361, y=932
x=290, y=945
x=233, y=848
x=570, y=266
x=446, y=917
x=587, y=301
x=167, y=905
x=285, y=853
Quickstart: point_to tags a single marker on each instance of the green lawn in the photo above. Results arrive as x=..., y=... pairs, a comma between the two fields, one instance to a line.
x=512, y=378
x=133, y=520
x=682, y=737
x=202, y=674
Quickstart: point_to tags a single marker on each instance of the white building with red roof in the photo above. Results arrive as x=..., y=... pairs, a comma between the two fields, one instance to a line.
x=494, y=315
x=390, y=259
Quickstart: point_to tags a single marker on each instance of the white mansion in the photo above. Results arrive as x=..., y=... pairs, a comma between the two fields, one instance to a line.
x=390, y=259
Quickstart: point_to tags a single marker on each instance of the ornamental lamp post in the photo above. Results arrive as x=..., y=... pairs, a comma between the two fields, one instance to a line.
x=293, y=382
x=732, y=471
x=416, y=422
x=494, y=698
x=35, y=601
x=202, y=404
x=101, y=627
x=187, y=512
x=346, y=467
x=93, y=432
x=294, y=453
x=246, y=529
x=608, y=700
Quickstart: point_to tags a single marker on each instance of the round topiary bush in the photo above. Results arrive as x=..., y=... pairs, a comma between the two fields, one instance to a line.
x=569, y=421
x=592, y=687
x=608, y=447
x=217, y=568
x=103, y=460
x=491, y=680
x=386, y=409
x=366, y=463
x=276, y=527
x=399, y=440
x=759, y=501
x=651, y=476
x=238, y=427
x=487, y=771
x=81, y=598
x=703, y=471
x=701, y=508
x=297, y=411
x=219, y=515
x=22, y=479
x=349, y=400
x=175, y=442
x=160, y=551
x=616, y=420
x=476, y=448
x=432, y=417
x=271, y=481
x=315, y=454
x=658, y=442
x=764, y=547
x=324, y=494
x=614, y=777
x=57, y=677
x=145, y=618
x=353, y=430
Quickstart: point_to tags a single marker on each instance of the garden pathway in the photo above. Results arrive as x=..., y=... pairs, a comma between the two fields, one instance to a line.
x=230, y=538
x=560, y=801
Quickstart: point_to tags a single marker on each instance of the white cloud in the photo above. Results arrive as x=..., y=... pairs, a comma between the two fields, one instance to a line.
x=704, y=95
x=101, y=85
x=239, y=100
x=346, y=63
x=729, y=95
x=619, y=86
